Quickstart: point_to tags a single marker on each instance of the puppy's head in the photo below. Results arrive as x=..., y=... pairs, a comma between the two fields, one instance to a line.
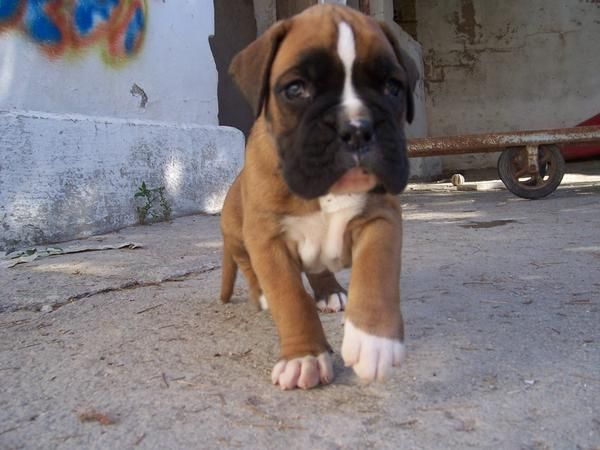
x=335, y=89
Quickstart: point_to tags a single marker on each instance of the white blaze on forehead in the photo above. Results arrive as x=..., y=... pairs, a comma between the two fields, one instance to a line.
x=346, y=49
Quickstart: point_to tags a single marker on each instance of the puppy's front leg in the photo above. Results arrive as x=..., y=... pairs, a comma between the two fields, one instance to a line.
x=373, y=332
x=305, y=360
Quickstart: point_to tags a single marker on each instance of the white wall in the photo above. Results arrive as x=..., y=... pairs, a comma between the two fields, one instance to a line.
x=75, y=144
x=174, y=66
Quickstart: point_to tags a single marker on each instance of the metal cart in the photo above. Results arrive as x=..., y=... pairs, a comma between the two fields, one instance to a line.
x=530, y=165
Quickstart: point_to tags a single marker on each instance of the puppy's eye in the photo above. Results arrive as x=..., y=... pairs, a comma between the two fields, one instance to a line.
x=296, y=89
x=393, y=88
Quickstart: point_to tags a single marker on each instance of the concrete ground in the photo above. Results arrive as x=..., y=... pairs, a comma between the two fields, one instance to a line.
x=130, y=348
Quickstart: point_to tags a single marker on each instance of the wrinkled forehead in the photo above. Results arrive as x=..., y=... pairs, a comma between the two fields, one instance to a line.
x=320, y=32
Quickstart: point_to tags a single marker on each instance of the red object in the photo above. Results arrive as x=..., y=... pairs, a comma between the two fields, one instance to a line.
x=582, y=151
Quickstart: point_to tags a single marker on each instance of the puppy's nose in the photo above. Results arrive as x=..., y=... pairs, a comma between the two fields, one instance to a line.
x=356, y=133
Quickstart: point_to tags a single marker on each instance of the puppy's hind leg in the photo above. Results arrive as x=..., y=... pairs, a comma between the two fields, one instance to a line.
x=330, y=296
x=234, y=258
x=242, y=260
x=256, y=295
x=228, y=274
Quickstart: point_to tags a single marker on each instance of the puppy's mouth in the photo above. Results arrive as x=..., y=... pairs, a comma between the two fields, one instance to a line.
x=354, y=181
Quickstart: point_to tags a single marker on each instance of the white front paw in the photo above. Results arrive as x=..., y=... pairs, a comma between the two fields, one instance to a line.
x=304, y=372
x=370, y=356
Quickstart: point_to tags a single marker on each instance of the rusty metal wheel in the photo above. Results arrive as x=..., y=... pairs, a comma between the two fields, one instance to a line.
x=531, y=172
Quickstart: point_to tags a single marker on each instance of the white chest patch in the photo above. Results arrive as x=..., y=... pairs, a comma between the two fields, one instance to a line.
x=320, y=236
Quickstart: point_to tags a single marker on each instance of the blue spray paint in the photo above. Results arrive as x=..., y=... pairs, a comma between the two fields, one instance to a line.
x=38, y=25
x=63, y=26
x=135, y=30
x=89, y=13
x=8, y=10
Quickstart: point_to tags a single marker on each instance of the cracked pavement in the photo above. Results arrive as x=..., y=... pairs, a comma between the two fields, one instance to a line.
x=131, y=348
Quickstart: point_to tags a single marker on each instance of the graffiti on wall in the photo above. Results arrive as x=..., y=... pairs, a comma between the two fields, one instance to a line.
x=63, y=27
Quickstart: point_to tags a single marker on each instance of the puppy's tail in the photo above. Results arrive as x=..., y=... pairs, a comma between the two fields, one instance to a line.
x=228, y=275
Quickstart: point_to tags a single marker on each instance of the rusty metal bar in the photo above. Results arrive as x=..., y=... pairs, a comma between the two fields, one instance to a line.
x=493, y=142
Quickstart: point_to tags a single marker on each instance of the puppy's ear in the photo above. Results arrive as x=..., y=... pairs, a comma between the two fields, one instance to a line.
x=250, y=68
x=409, y=66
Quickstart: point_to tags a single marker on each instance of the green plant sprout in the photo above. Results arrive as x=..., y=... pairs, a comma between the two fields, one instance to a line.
x=150, y=209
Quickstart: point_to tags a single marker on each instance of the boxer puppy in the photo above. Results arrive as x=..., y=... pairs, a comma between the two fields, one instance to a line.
x=324, y=161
